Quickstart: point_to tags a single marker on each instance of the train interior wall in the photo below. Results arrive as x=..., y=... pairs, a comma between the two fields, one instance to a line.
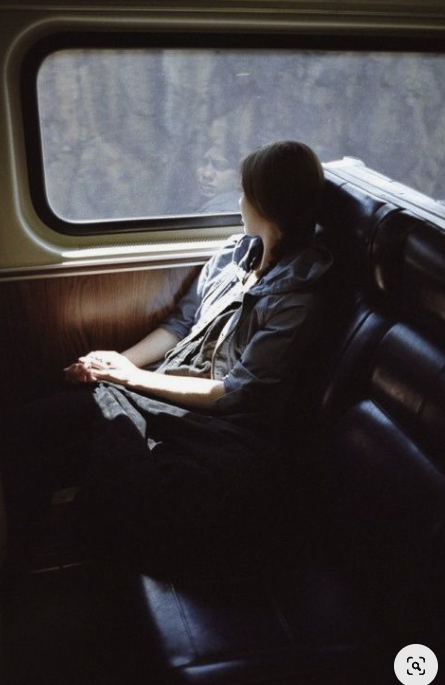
x=47, y=323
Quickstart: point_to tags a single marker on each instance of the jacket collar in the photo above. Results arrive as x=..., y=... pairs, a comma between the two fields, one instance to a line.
x=297, y=270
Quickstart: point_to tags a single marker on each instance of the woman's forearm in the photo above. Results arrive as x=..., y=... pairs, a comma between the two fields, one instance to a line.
x=125, y=368
x=200, y=393
x=152, y=348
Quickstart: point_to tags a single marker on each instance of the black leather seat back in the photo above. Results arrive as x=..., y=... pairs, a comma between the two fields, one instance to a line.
x=383, y=407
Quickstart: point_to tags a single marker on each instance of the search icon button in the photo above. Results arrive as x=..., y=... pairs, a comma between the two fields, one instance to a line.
x=416, y=664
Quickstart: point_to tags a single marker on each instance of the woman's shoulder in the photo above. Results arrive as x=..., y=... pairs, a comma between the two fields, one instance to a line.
x=235, y=249
x=238, y=242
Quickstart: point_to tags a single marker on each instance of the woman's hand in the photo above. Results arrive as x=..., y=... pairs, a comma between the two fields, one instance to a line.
x=113, y=367
x=101, y=365
x=79, y=373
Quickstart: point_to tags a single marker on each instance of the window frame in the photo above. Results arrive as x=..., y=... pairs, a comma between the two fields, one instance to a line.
x=90, y=39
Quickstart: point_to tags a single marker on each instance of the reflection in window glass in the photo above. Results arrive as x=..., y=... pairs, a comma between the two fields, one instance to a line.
x=160, y=132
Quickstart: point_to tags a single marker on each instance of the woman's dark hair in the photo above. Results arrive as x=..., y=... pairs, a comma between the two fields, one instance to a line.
x=284, y=181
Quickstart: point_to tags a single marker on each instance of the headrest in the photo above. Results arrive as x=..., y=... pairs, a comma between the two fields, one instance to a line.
x=394, y=256
x=423, y=282
x=408, y=261
x=349, y=220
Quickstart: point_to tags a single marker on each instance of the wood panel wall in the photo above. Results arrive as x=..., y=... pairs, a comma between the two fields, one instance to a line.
x=47, y=323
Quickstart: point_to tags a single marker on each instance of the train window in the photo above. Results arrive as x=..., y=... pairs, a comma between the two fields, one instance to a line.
x=157, y=133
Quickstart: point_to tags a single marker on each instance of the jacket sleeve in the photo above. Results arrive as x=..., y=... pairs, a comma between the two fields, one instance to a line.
x=265, y=371
x=183, y=317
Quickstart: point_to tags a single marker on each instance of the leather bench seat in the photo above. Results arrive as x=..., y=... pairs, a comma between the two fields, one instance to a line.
x=368, y=578
x=250, y=629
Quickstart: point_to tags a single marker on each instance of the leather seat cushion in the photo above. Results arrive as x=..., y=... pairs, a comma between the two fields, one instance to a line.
x=249, y=629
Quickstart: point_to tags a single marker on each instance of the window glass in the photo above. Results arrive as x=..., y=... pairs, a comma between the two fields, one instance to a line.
x=131, y=133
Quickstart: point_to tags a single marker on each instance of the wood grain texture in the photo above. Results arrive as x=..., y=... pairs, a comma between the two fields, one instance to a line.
x=48, y=323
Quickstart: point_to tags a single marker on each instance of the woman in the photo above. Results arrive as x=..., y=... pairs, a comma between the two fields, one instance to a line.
x=177, y=456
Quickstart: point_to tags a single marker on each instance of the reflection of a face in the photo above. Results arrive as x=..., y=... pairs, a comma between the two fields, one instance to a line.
x=215, y=175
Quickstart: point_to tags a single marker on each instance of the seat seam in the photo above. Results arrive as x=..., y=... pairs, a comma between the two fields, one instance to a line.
x=182, y=613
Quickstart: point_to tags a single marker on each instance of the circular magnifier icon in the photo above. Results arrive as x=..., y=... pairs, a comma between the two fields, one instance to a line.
x=416, y=664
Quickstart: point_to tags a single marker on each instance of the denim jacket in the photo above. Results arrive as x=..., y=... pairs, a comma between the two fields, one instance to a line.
x=271, y=331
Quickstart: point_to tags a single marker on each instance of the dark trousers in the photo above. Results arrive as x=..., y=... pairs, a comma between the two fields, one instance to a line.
x=46, y=444
x=45, y=447
x=154, y=504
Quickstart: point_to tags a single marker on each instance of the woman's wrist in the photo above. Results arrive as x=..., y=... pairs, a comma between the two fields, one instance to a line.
x=138, y=379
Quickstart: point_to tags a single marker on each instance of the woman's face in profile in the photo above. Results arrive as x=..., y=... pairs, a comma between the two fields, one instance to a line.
x=215, y=175
x=255, y=224
x=251, y=219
